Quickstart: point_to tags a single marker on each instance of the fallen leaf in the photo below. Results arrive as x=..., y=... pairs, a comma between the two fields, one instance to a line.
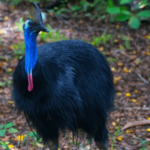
x=11, y=47
x=133, y=100
x=101, y=48
x=118, y=120
x=120, y=138
x=114, y=123
x=129, y=131
x=118, y=93
x=9, y=70
x=1, y=31
x=20, y=137
x=136, y=91
x=70, y=30
x=6, y=18
x=10, y=146
x=147, y=36
x=128, y=94
x=134, y=52
x=126, y=70
x=115, y=40
x=10, y=102
x=117, y=26
x=148, y=129
x=40, y=145
x=113, y=69
x=120, y=64
x=146, y=53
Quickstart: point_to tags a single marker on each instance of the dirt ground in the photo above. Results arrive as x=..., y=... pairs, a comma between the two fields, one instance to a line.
x=130, y=66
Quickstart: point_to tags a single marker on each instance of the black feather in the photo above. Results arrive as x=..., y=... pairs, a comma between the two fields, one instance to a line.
x=73, y=88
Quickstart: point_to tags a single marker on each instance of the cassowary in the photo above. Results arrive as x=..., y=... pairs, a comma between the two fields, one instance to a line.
x=62, y=85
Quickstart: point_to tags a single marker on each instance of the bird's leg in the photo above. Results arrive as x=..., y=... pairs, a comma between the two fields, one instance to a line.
x=102, y=146
x=53, y=145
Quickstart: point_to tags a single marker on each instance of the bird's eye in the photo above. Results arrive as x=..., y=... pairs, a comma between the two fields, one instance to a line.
x=30, y=24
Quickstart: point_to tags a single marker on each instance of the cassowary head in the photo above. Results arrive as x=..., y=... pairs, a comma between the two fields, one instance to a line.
x=34, y=22
x=32, y=27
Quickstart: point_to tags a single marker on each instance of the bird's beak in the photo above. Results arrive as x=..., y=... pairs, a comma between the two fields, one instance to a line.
x=44, y=29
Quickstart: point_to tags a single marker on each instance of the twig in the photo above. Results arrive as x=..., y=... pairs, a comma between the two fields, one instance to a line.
x=135, y=108
x=144, y=80
x=136, y=123
x=17, y=139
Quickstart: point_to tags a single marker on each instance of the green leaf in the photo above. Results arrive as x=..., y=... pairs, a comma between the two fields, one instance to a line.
x=76, y=8
x=110, y=3
x=2, y=126
x=13, y=130
x=24, y=140
x=117, y=130
x=143, y=148
x=144, y=13
x=20, y=24
x=113, y=10
x=2, y=84
x=2, y=132
x=122, y=17
x=143, y=142
x=134, y=22
x=8, y=125
x=126, y=12
x=122, y=2
x=4, y=145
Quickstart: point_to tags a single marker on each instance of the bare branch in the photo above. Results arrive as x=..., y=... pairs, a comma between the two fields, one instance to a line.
x=144, y=80
x=136, y=123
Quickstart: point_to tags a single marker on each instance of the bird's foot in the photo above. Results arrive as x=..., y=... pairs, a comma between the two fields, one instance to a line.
x=102, y=146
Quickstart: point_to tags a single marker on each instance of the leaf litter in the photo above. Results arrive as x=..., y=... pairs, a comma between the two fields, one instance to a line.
x=131, y=70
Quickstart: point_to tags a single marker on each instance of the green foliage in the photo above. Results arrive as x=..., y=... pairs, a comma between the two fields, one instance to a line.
x=8, y=82
x=52, y=36
x=113, y=10
x=113, y=138
x=123, y=14
x=144, y=14
x=122, y=2
x=100, y=6
x=7, y=127
x=134, y=22
x=35, y=136
x=102, y=39
x=2, y=84
x=60, y=11
x=143, y=143
x=20, y=24
x=83, y=6
x=110, y=59
x=116, y=9
x=19, y=49
x=126, y=41
x=4, y=145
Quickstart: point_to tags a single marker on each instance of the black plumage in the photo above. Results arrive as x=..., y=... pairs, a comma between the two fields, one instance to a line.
x=73, y=89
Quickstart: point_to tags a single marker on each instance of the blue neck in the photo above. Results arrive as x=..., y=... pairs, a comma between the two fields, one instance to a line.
x=31, y=50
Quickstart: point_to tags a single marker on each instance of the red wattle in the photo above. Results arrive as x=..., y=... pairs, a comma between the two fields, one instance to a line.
x=30, y=83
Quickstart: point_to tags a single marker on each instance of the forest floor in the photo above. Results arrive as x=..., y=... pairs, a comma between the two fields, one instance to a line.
x=128, y=52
